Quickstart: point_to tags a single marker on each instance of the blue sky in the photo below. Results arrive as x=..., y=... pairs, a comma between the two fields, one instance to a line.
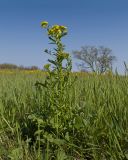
x=89, y=22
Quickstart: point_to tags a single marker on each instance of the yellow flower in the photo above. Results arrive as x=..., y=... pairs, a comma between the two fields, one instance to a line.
x=57, y=31
x=56, y=27
x=50, y=31
x=63, y=28
x=44, y=24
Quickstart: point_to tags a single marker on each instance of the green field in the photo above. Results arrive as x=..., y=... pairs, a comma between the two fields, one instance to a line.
x=92, y=124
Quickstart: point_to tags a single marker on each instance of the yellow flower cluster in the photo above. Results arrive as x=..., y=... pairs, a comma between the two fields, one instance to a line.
x=57, y=31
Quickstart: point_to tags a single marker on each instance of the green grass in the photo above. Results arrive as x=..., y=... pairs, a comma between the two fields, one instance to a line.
x=94, y=127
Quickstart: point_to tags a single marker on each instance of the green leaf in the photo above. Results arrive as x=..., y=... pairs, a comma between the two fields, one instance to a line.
x=52, y=39
x=67, y=136
x=51, y=61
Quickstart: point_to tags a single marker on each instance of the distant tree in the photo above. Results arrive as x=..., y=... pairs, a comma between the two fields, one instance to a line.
x=95, y=59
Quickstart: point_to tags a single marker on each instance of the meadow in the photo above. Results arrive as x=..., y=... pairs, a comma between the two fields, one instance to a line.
x=91, y=125
x=56, y=114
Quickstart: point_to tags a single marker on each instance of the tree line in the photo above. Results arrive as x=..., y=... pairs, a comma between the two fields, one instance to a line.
x=14, y=66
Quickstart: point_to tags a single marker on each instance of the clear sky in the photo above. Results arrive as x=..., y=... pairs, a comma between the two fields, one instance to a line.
x=89, y=22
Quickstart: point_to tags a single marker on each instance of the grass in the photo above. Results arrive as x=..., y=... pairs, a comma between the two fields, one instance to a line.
x=94, y=125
